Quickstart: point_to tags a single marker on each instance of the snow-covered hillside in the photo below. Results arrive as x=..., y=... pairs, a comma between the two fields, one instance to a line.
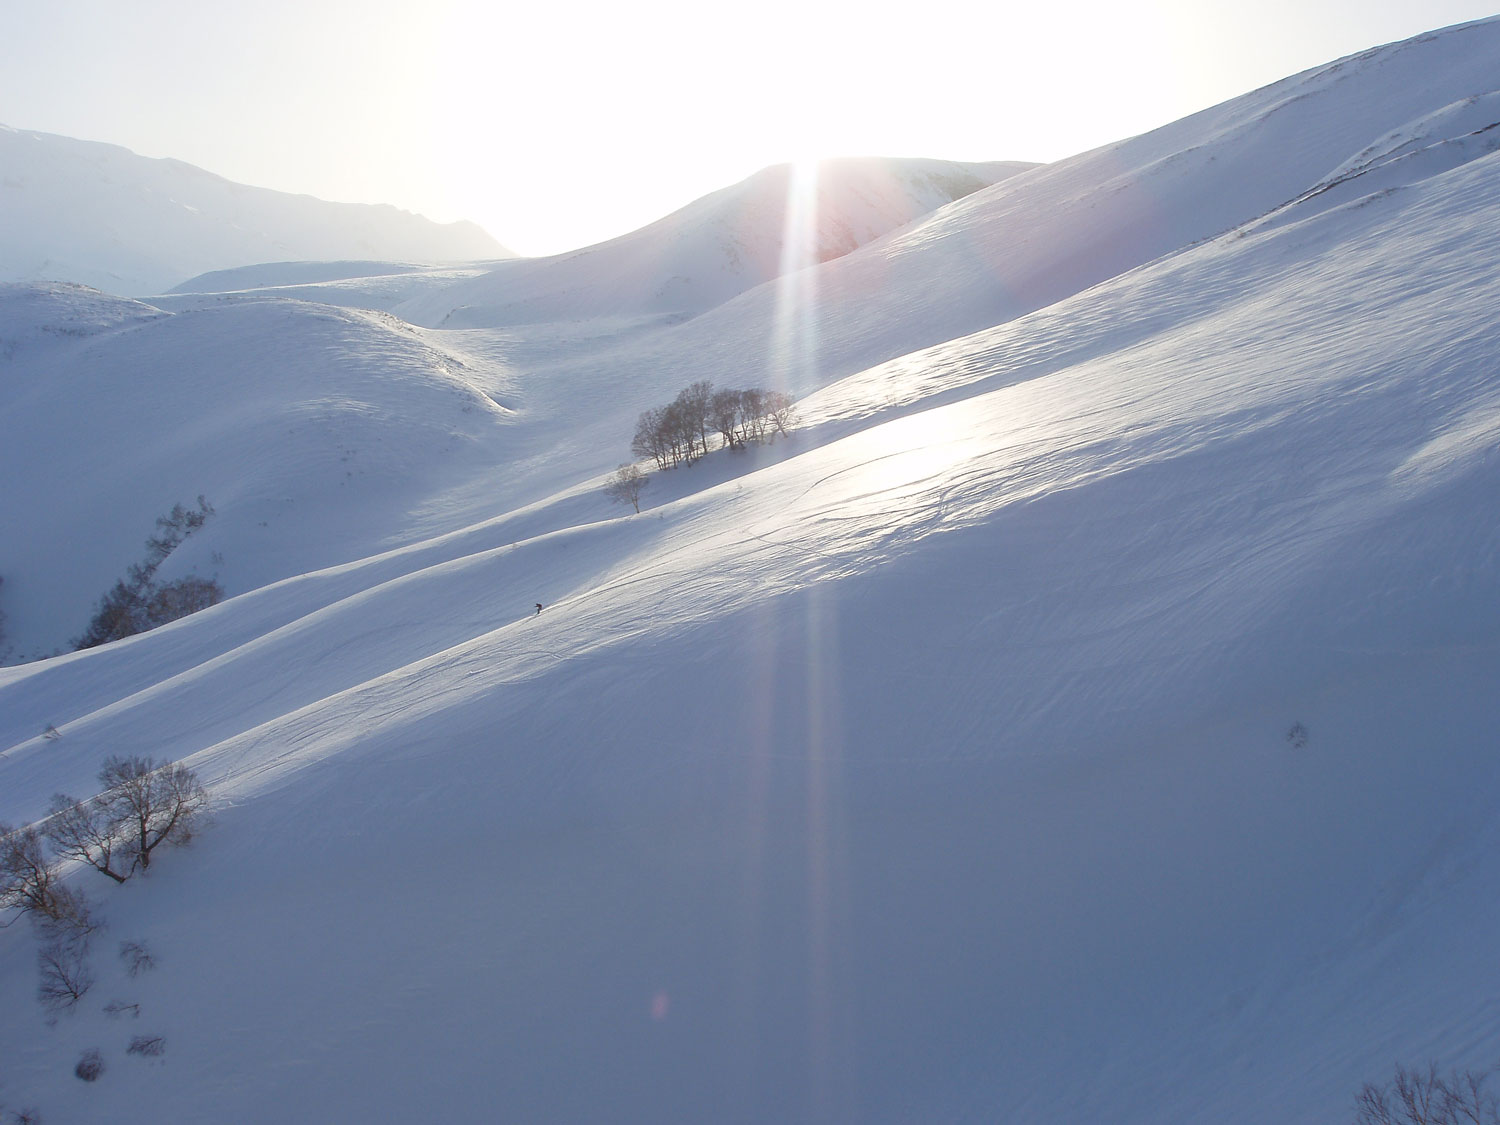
x=100, y=215
x=779, y=220
x=118, y=406
x=1087, y=715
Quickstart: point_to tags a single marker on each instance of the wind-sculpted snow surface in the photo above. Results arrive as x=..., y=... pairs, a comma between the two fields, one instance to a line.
x=1089, y=718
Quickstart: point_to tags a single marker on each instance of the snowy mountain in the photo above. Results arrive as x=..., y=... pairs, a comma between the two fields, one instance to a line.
x=100, y=215
x=781, y=219
x=1088, y=714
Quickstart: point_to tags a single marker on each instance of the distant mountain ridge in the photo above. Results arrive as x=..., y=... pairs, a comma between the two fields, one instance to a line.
x=101, y=215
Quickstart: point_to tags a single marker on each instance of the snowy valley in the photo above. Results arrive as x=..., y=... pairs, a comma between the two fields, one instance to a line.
x=1086, y=714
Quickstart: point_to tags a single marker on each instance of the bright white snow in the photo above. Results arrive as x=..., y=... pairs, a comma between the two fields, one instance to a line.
x=930, y=765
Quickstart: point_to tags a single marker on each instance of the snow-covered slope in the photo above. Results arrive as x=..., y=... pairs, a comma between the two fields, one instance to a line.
x=1036, y=238
x=1085, y=718
x=780, y=219
x=363, y=285
x=297, y=421
x=100, y=215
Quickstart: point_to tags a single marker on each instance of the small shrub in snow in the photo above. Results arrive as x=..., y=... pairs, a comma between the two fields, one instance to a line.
x=117, y=1008
x=1296, y=737
x=137, y=957
x=90, y=1066
x=1417, y=1097
x=147, y=1046
x=64, y=975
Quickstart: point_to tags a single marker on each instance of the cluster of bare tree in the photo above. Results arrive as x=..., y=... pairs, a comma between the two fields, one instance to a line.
x=679, y=433
x=142, y=806
x=138, y=602
x=1418, y=1097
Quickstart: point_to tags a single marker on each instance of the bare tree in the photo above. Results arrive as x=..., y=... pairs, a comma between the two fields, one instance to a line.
x=88, y=831
x=1416, y=1097
x=170, y=600
x=781, y=411
x=726, y=411
x=694, y=401
x=650, y=436
x=144, y=805
x=753, y=412
x=154, y=803
x=626, y=484
x=28, y=883
x=65, y=975
x=71, y=920
x=681, y=432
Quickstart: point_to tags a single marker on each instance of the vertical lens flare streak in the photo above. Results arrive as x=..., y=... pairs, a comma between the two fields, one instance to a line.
x=793, y=368
x=794, y=344
x=830, y=1030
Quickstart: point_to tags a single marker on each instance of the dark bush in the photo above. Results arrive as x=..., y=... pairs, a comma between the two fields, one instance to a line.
x=90, y=1066
x=147, y=1046
x=138, y=959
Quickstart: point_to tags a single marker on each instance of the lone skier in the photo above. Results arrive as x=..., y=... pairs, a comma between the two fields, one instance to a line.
x=539, y=608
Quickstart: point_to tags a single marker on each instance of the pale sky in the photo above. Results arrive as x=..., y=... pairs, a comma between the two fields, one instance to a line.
x=555, y=125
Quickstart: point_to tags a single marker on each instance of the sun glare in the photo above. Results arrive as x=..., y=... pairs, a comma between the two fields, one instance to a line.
x=794, y=347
